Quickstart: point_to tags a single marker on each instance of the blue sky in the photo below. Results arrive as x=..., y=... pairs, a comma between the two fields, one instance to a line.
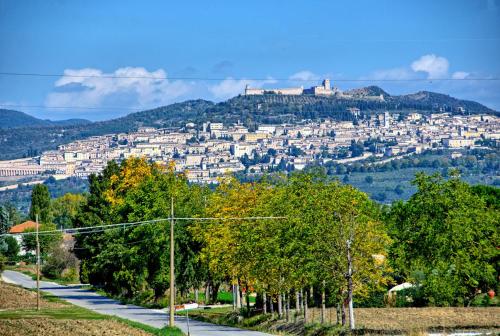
x=237, y=42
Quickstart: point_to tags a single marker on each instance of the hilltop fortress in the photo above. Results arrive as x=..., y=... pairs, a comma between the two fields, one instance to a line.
x=324, y=89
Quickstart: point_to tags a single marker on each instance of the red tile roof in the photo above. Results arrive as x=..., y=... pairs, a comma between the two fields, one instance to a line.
x=19, y=228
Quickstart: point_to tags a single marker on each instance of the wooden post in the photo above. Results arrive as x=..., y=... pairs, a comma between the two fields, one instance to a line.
x=37, y=265
x=172, y=274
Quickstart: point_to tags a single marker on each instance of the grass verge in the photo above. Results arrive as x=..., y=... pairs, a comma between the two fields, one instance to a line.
x=60, y=316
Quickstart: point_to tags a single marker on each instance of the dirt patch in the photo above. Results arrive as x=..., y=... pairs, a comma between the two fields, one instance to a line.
x=426, y=318
x=418, y=318
x=45, y=326
x=15, y=297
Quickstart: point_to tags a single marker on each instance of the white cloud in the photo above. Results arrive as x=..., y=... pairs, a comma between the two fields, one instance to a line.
x=231, y=87
x=434, y=66
x=394, y=73
x=129, y=86
x=460, y=75
x=304, y=75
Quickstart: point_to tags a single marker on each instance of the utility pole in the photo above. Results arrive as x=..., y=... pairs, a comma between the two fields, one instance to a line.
x=37, y=266
x=172, y=274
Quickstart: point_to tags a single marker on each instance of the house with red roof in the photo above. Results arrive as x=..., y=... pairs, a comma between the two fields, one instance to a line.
x=17, y=231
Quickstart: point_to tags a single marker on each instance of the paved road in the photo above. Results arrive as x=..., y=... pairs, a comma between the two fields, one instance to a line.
x=104, y=305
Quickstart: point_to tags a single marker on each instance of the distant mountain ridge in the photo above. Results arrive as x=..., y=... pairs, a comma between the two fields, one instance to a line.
x=33, y=138
x=15, y=119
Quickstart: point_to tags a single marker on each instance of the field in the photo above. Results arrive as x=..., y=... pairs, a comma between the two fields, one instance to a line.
x=430, y=318
x=368, y=320
x=19, y=317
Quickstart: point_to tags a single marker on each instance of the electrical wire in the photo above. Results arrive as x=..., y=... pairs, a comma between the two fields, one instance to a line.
x=34, y=74
x=102, y=228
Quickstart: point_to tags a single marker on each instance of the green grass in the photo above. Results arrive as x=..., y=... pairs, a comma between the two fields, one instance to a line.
x=222, y=297
x=72, y=312
x=166, y=331
x=77, y=313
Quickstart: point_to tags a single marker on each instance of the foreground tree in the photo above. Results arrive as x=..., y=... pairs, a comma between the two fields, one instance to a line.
x=65, y=208
x=40, y=204
x=445, y=240
x=133, y=261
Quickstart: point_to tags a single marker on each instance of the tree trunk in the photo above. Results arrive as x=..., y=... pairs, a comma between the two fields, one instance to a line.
x=247, y=298
x=343, y=311
x=323, y=303
x=241, y=296
x=301, y=306
x=287, y=297
x=196, y=295
x=207, y=293
x=297, y=301
x=264, y=300
x=271, y=306
x=238, y=297
x=305, y=308
x=280, y=307
x=215, y=291
x=349, y=285
x=233, y=286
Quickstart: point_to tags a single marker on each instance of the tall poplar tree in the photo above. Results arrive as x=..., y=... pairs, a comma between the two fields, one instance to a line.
x=40, y=204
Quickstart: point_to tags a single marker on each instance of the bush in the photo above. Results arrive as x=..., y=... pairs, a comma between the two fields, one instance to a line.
x=255, y=320
x=3, y=261
x=12, y=248
x=410, y=297
x=60, y=260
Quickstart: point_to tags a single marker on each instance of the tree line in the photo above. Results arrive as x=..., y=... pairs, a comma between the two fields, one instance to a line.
x=297, y=240
x=443, y=239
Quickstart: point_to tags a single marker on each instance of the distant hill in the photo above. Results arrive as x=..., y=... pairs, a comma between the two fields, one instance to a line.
x=32, y=138
x=14, y=119
x=368, y=91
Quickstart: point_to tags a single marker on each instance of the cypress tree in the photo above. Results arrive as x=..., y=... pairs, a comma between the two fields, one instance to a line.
x=40, y=204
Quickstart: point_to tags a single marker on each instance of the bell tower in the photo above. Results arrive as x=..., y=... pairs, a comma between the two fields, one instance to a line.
x=326, y=84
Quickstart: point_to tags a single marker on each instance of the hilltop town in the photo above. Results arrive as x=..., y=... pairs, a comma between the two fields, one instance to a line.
x=210, y=150
x=324, y=89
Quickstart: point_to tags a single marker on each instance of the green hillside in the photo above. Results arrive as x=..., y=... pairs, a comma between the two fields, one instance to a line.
x=15, y=119
x=250, y=110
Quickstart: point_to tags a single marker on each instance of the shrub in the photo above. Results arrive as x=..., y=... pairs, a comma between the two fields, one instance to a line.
x=59, y=260
x=12, y=248
x=3, y=261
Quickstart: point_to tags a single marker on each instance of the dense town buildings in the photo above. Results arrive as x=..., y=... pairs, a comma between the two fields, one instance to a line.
x=208, y=151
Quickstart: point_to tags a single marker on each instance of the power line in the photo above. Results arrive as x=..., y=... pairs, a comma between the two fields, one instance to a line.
x=74, y=107
x=124, y=225
x=33, y=74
